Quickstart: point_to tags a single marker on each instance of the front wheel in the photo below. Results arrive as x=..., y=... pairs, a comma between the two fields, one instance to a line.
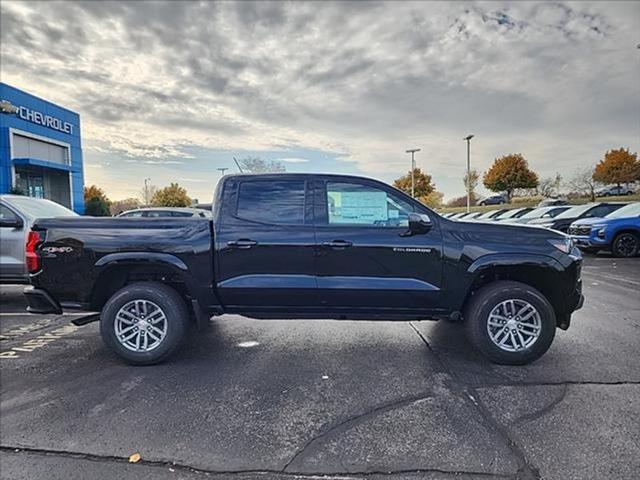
x=144, y=323
x=510, y=322
x=626, y=244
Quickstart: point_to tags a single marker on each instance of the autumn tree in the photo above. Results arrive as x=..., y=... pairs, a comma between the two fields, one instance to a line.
x=618, y=166
x=172, y=196
x=96, y=202
x=433, y=200
x=508, y=173
x=259, y=165
x=423, y=183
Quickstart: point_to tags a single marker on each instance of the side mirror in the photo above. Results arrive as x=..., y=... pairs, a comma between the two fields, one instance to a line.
x=419, y=223
x=15, y=222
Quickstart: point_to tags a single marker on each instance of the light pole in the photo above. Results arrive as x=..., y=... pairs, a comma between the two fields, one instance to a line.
x=222, y=170
x=412, y=151
x=468, y=139
x=146, y=192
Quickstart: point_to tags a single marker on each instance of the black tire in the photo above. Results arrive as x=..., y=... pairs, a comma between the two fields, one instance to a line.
x=625, y=245
x=476, y=317
x=169, y=302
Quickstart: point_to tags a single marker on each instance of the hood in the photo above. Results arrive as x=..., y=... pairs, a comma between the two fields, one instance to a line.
x=589, y=221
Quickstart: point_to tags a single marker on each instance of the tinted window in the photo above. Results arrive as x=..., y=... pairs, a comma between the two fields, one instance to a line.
x=357, y=204
x=158, y=213
x=6, y=214
x=132, y=214
x=181, y=214
x=268, y=201
x=601, y=211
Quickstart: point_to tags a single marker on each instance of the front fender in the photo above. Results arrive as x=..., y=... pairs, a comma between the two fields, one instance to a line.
x=513, y=260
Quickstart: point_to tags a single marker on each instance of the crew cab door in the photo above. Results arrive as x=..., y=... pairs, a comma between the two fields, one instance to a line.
x=364, y=258
x=265, y=243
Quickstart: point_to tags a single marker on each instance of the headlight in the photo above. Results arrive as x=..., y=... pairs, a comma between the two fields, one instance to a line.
x=546, y=225
x=565, y=245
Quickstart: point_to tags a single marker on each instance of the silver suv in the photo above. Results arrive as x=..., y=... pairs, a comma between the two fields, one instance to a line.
x=17, y=214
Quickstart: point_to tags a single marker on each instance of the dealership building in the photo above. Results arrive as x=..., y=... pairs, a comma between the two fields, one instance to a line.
x=40, y=149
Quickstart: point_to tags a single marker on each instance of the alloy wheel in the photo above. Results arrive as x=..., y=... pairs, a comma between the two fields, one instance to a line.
x=514, y=325
x=140, y=325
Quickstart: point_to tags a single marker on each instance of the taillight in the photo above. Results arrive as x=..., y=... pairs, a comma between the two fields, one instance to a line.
x=33, y=261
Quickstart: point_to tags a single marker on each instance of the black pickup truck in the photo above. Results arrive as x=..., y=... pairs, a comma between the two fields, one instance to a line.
x=306, y=246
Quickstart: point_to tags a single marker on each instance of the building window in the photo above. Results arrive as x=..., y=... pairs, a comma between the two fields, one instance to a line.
x=27, y=147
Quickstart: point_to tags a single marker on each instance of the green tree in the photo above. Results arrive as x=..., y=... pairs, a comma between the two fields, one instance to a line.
x=618, y=166
x=423, y=183
x=508, y=173
x=96, y=207
x=172, y=196
x=96, y=202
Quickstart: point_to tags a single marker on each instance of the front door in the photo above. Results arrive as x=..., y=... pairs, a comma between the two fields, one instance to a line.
x=266, y=244
x=365, y=259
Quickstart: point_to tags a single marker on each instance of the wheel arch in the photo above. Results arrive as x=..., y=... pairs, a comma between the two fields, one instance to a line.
x=538, y=271
x=117, y=270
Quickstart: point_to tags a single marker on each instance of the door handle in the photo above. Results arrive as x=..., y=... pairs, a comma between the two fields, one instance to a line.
x=337, y=244
x=243, y=243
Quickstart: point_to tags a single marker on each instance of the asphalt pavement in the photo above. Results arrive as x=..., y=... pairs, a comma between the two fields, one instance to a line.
x=271, y=399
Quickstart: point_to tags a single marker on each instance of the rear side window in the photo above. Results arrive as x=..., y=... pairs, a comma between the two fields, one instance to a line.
x=275, y=202
x=6, y=214
x=181, y=214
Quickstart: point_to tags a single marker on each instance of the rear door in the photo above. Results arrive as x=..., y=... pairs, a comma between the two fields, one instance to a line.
x=365, y=261
x=265, y=243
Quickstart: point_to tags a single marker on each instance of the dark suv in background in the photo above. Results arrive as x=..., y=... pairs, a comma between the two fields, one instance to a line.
x=566, y=218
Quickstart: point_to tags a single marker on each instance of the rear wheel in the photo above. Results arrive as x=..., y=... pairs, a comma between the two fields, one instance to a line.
x=144, y=323
x=625, y=244
x=510, y=322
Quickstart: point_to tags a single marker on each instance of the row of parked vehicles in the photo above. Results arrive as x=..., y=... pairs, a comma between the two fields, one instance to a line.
x=595, y=226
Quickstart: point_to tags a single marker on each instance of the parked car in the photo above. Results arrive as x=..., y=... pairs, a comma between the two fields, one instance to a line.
x=494, y=200
x=17, y=214
x=589, y=210
x=540, y=212
x=619, y=232
x=553, y=202
x=155, y=212
x=489, y=215
x=512, y=214
x=614, y=191
x=306, y=246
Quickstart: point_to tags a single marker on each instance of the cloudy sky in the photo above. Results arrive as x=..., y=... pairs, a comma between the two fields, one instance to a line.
x=174, y=90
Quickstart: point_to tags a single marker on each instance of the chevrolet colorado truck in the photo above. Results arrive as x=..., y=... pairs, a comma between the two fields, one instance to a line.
x=306, y=246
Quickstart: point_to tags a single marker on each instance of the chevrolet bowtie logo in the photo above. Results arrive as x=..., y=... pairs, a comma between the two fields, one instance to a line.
x=7, y=107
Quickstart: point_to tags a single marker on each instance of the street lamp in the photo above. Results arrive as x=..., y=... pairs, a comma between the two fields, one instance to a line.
x=222, y=170
x=146, y=191
x=413, y=167
x=468, y=139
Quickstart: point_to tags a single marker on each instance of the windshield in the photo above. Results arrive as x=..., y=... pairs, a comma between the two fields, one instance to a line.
x=537, y=212
x=631, y=210
x=575, y=211
x=487, y=214
x=40, y=208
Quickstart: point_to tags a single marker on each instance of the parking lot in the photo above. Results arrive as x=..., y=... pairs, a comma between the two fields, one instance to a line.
x=282, y=399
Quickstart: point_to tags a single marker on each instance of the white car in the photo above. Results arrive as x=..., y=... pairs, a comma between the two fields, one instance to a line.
x=156, y=212
x=17, y=214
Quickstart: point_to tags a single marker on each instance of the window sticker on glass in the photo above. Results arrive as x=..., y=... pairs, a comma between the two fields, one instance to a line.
x=366, y=207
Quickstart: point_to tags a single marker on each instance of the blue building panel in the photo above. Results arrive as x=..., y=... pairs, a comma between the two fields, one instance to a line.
x=28, y=124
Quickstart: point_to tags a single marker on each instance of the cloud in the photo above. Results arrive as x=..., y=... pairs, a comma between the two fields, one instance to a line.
x=155, y=81
x=293, y=160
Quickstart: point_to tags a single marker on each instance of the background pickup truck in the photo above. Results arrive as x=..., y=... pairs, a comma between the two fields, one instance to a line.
x=306, y=246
